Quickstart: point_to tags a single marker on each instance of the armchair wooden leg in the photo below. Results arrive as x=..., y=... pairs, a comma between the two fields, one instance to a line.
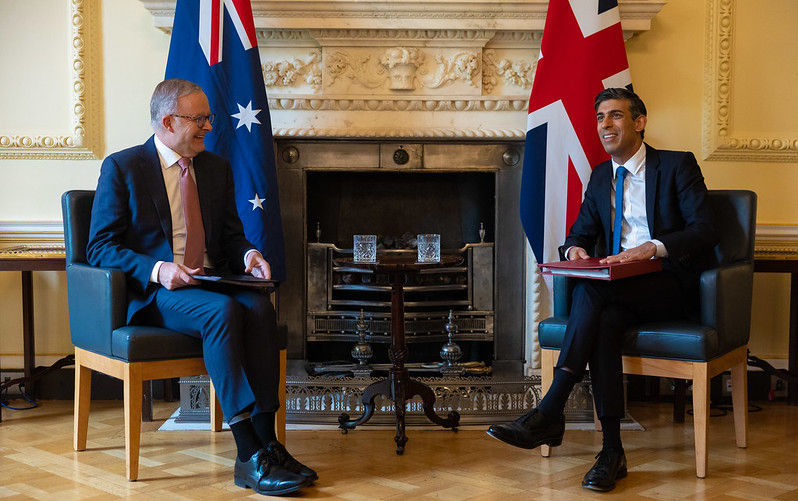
x=700, y=415
x=739, y=381
x=546, y=378
x=132, y=396
x=82, y=403
x=216, y=410
x=279, y=419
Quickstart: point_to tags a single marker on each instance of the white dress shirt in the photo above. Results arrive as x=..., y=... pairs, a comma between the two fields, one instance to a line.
x=634, y=225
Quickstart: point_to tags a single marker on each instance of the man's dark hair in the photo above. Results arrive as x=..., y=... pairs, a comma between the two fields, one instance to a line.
x=636, y=105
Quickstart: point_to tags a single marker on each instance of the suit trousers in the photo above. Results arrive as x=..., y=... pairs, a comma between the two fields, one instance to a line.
x=600, y=313
x=237, y=327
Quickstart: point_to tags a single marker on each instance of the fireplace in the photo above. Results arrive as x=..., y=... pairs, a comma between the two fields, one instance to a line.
x=467, y=191
x=409, y=96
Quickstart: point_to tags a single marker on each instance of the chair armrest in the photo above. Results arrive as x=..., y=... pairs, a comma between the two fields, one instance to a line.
x=97, y=305
x=562, y=288
x=726, y=302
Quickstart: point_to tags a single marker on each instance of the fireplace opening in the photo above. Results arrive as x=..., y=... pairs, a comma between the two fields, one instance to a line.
x=396, y=204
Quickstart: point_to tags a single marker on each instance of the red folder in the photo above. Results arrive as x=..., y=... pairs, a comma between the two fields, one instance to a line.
x=591, y=268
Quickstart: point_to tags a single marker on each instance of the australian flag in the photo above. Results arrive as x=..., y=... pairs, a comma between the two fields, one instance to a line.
x=581, y=54
x=214, y=45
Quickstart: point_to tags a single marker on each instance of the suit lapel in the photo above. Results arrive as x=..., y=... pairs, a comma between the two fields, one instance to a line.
x=153, y=177
x=605, y=187
x=652, y=178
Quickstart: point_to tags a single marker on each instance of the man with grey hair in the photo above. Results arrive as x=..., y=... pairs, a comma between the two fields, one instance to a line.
x=165, y=211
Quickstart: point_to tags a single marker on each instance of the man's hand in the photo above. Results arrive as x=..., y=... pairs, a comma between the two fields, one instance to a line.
x=639, y=253
x=174, y=276
x=258, y=266
x=577, y=253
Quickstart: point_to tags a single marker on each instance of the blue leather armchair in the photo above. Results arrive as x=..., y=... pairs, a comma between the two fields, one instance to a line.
x=134, y=354
x=690, y=350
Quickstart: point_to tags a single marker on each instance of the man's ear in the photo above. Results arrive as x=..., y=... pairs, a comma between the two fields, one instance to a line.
x=166, y=123
x=640, y=123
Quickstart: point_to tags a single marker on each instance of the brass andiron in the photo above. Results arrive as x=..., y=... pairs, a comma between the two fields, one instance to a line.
x=451, y=352
x=362, y=351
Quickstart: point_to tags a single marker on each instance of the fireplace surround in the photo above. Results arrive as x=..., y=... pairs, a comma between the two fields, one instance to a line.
x=350, y=82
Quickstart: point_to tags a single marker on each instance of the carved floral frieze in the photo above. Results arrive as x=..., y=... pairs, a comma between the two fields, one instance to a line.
x=518, y=72
x=462, y=67
x=286, y=73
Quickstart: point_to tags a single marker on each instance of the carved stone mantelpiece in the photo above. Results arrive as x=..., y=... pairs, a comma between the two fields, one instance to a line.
x=348, y=68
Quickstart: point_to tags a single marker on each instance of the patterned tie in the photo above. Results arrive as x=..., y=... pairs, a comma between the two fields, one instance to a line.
x=195, y=232
x=616, y=227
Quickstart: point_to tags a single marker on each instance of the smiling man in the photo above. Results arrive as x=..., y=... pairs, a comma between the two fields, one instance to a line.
x=164, y=211
x=640, y=204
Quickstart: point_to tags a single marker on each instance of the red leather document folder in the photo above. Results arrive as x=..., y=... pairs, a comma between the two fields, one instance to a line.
x=591, y=268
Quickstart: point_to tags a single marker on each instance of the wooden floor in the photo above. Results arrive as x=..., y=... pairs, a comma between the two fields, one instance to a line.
x=37, y=461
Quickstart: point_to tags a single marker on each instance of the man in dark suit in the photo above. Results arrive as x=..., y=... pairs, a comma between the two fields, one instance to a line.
x=641, y=204
x=165, y=211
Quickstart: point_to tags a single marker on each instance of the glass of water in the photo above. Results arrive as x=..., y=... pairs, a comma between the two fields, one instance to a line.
x=365, y=248
x=429, y=248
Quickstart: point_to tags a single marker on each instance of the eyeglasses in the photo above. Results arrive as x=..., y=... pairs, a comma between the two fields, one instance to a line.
x=199, y=119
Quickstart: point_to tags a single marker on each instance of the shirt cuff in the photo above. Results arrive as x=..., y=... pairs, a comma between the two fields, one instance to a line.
x=661, y=250
x=567, y=251
x=155, y=270
x=246, y=255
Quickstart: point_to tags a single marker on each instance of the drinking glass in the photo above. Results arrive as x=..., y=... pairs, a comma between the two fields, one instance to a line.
x=429, y=248
x=365, y=248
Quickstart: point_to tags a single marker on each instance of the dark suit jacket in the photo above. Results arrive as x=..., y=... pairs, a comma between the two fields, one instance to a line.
x=677, y=210
x=131, y=224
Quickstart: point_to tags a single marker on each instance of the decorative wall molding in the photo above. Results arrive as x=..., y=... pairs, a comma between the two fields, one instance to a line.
x=84, y=139
x=719, y=142
x=285, y=73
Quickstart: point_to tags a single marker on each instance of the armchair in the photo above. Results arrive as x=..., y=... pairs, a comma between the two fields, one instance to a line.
x=683, y=349
x=134, y=354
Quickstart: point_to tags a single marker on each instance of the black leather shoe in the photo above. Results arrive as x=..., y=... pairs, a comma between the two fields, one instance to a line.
x=261, y=474
x=530, y=430
x=610, y=466
x=282, y=457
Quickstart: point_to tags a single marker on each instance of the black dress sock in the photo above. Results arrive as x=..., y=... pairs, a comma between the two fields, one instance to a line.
x=611, y=433
x=247, y=441
x=263, y=422
x=553, y=403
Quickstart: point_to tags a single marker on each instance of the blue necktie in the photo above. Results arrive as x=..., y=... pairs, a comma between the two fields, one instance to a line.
x=620, y=174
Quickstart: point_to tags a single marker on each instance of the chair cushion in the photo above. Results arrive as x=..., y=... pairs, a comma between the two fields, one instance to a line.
x=671, y=340
x=138, y=343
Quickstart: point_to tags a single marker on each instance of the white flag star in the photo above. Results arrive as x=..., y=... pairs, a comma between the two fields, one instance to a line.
x=246, y=116
x=257, y=202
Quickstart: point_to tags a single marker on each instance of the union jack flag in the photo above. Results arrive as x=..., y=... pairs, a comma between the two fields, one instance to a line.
x=581, y=53
x=214, y=45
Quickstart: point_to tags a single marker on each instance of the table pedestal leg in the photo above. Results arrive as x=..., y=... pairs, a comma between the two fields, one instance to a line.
x=398, y=387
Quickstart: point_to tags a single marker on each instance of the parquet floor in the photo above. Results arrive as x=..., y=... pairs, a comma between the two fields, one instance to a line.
x=37, y=461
